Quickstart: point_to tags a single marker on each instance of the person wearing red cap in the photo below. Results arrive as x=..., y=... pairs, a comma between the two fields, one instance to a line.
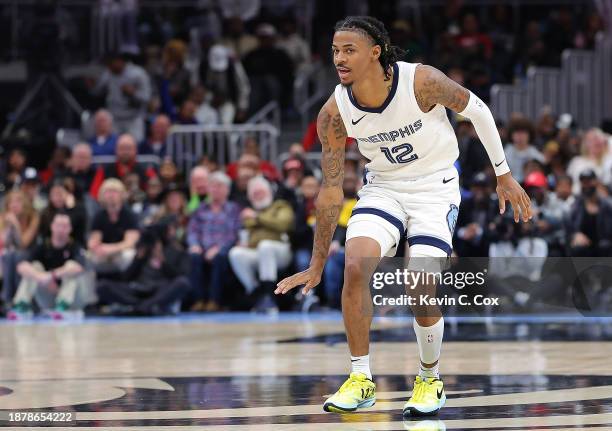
x=549, y=212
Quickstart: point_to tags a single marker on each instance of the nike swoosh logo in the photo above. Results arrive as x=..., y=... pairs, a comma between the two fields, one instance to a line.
x=439, y=393
x=354, y=360
x=355, y=122
x=497, y=165
x=444, y=180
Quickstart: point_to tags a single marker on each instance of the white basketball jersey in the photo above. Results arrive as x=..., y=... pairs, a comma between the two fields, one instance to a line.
x=399, y=139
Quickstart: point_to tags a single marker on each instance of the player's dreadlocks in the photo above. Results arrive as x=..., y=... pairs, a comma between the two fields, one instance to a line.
x=376, y=31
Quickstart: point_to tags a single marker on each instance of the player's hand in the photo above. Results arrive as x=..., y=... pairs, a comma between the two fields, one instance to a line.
x=309, y=278
x=509, y=189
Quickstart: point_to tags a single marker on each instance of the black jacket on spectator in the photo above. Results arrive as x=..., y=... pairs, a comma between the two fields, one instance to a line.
x=303, y=234
x=469, y=213
x=114, y=232
x=175, y=264
x=603, y=223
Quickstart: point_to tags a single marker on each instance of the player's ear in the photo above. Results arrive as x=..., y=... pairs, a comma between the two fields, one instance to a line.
x=376, y=52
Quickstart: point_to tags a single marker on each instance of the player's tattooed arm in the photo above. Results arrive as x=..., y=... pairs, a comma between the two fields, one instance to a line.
x=332, y=135
x=432, y=87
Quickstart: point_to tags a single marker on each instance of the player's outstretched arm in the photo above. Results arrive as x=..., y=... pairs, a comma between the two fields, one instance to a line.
x=433, y=87
x=332, y=135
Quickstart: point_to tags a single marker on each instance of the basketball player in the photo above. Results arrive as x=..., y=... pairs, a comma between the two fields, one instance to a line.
x=396, y=112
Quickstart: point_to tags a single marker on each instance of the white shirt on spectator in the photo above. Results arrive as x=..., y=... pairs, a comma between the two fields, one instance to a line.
x=580, y=164
x=516, y=159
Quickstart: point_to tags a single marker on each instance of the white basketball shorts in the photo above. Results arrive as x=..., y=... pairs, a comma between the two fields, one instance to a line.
x=424, y=208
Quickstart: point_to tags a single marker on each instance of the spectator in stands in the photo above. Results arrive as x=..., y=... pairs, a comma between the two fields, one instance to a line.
x=585, y=38
x=590, y=221
x=472, y=43
x=212, y=231
x=169, y=173
x=228, y=82
x=19, y=224
x=257, y=263
x=560, y=32
x=520, y=150
x=173, y=84
x=173, y=204
x=128, y=91
x=126, y=161
x=16, y=165
x=156, y=278
x=205, y=114
x=30, y=186
x=334, y=267
x=198, y=188
x=472, y=155
x=53, y=274
x=87, y=178
x=237, y=40
x=250, y=157
x=114, y=230
x=152, y=203
x=104, y=141
x=548, y=214
x=406, y=35
x=187, y=113
x=477, y=212
x=57, y=165
x=563, y=196
x=303, y=235
x=62, y=201
x=135, y=195
x=293, y=171
x=238, y=193
x=595, y=156
x=270, y=71
x=156, y=143
x=293, y=44
x=530, y=49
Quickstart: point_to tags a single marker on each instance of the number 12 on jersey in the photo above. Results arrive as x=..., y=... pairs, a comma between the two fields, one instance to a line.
x=400, y=153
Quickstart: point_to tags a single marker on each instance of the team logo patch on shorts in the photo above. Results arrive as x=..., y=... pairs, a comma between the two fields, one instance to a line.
x=451, y=217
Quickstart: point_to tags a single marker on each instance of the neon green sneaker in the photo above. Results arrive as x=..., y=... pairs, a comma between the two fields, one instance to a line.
x=357, y=392
x=427, y=398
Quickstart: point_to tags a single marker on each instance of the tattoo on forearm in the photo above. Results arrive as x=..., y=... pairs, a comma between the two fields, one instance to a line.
x=332, y=157
x=435, y=87
x=329, y=202
x=327, y=219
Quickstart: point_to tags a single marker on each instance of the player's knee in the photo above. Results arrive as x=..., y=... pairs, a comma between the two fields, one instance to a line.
x=355, y=271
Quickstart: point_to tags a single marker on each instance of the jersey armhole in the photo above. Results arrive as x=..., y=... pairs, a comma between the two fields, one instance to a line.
x=340, y=98
x=411, y=90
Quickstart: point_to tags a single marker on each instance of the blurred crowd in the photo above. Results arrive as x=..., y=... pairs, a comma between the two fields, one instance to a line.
x=205, y=78
x=133, y=237
x=141, y=238
x=484, y=46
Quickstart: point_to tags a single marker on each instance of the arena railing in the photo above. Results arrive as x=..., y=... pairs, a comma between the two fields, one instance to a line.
x=582, y=87
x=270, y=113
x=188, y=144
x=145, y=159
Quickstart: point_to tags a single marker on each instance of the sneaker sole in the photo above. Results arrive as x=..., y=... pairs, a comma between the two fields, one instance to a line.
x=332, y=408
x=413, y=411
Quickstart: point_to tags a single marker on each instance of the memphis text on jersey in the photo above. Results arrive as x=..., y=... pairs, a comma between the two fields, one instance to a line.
x=394, y=134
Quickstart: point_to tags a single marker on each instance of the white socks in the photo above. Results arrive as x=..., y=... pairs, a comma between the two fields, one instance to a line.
x=361, y=364
x=429, y=339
